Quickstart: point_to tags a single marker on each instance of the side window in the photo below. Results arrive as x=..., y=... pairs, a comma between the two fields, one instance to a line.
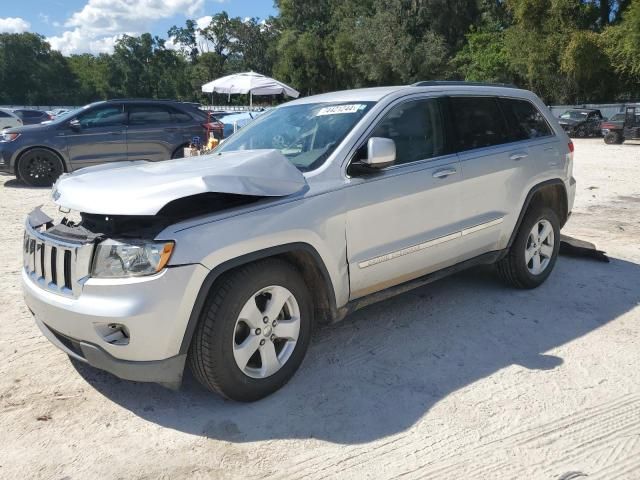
x=107, y=116
x=4, y=114
x=148, y=115
x=525, y=120
x=478, y=122
x=416, y=128
x=180, y=117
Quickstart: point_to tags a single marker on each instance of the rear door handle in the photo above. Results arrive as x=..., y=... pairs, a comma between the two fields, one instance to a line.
x=171, y=129
x=445, y=172
x=518, y=156
x=115, y=133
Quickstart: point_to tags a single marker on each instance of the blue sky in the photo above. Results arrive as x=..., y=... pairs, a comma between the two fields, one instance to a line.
x=78, y=26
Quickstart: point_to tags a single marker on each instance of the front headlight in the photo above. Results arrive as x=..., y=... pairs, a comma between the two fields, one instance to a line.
x=114, y=259
x=8, y=137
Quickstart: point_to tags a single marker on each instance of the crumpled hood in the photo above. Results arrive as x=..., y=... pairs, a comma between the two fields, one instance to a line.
x=143, y=188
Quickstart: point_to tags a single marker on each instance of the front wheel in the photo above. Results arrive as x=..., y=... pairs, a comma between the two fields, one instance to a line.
x=39, y=167
x=254, y=332
x=534, y=251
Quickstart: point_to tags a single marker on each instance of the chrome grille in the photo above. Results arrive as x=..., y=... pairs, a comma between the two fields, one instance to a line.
x=60, y=267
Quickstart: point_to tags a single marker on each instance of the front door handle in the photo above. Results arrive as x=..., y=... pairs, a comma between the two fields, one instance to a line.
x=445, y=172
x=518, y=156
x=115, y=133
x=171, y=129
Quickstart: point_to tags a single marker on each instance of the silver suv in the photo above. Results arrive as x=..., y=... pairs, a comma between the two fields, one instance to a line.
x=317, y=208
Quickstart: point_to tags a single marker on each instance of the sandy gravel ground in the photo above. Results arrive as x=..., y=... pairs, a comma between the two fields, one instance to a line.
x=460, y=379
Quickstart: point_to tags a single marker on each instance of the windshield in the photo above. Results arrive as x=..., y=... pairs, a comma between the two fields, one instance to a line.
x=574, y=115
x=306, y=134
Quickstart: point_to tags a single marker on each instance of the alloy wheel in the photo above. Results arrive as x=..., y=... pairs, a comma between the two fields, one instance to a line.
x=539, y=249
x=266, y=332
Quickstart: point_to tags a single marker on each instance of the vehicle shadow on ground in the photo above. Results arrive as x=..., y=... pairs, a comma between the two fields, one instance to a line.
x=381, y=369
x=15, y=183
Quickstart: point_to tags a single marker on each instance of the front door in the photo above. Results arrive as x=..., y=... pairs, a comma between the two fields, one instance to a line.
x=96, y=136
x=401, y=221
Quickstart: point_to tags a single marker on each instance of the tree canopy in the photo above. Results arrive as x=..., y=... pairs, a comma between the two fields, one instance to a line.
x=567, y=51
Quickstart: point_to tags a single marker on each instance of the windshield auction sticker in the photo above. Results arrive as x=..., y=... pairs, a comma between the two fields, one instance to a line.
x=338, y=109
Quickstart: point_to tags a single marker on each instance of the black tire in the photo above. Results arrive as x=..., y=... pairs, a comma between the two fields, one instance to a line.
x=581, y=132
x=179, y=152
x=613, y=138
x=513, y=267
x=211, y=352
x=39, y=167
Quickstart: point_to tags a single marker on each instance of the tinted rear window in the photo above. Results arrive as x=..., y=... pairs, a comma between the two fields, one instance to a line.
x=149, y=114
x=525, y=120
x=479, y=122
x=4, y=114
x=180, y=117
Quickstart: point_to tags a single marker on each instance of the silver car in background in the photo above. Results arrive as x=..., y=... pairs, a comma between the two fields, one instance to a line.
x=317, y=208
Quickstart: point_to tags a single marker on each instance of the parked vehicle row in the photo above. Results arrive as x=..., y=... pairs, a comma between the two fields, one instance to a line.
x=102, y=132
x=318, y=207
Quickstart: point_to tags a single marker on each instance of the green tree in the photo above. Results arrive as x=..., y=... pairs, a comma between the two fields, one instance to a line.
x=32, y=73
x=622, y=43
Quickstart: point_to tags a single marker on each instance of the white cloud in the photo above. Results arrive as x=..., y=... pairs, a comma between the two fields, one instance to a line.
x=14, y=25
x=97, y=26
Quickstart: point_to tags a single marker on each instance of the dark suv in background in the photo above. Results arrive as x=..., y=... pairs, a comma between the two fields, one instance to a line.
x=581, y=122
x=102, y=132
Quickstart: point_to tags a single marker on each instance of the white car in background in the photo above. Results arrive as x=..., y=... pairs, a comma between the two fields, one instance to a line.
x=8, y=119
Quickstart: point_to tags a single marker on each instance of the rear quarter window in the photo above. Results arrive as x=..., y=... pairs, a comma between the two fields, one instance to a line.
x=524, y=119
x=180, y=117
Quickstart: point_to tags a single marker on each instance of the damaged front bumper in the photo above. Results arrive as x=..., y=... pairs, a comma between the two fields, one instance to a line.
x=132, y=327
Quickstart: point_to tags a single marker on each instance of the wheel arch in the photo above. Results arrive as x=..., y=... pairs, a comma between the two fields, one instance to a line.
x=550, y=193
x=65, y=167
x=301, y=255
x=178, y=148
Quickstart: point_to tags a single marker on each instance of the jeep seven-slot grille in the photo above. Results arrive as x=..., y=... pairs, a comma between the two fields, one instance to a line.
x=55, y=266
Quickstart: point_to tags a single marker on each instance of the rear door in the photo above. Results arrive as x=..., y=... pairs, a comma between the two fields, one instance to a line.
x=99, y=137
x=494, y=171
x=156, y=131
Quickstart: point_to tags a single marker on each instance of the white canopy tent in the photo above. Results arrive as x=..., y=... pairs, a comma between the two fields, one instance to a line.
x=249, y=82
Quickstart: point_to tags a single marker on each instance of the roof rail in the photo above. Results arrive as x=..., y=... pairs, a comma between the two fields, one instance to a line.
x=150, y=100
x=450, y=83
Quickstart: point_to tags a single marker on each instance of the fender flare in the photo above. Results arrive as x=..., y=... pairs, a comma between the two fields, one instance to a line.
x=217, y=271
x=527, y=202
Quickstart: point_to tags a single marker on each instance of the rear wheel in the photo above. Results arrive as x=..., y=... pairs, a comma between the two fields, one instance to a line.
x=254, y=332
x=39, y=167
x=179, y=152
x=534, y=251
x=581, y=132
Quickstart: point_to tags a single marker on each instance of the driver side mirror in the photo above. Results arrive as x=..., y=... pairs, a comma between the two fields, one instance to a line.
x=75, y=125
x=381, y=152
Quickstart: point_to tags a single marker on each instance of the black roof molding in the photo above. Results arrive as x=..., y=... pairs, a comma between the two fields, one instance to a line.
x=150, y=100
x=453, y=83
